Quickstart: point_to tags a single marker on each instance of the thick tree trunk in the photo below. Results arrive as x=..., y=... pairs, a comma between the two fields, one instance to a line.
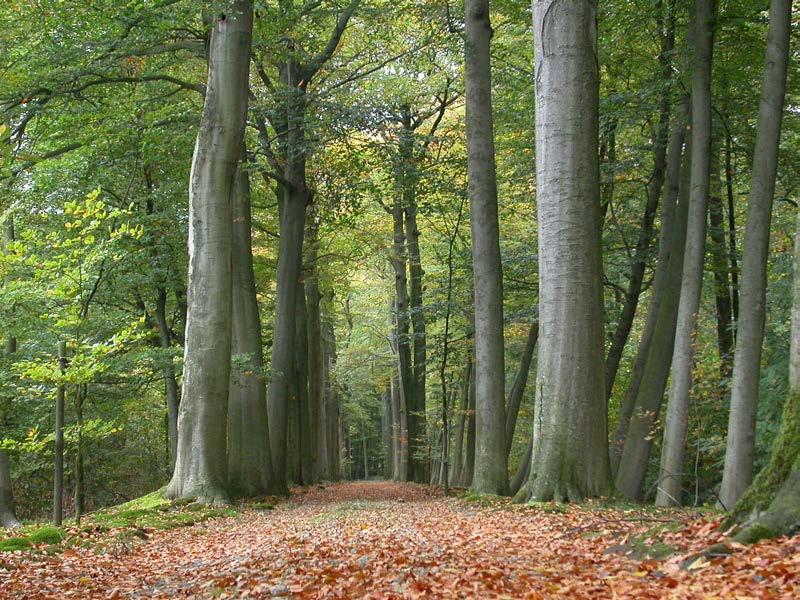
x=674, y=447
x=170, y=381
x=491, y=462
x=570, y=452
x=249, y=463
x=517, y=391
x=740, y=452
x=670, y=252
x=290, y=250
x=636, y=439
x=720, y=267
x=201, y=465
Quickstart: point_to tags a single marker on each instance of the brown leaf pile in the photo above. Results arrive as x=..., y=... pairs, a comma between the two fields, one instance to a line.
x=388, y=540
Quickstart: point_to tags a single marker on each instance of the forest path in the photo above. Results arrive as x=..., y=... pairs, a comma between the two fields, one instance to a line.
x=391, y=540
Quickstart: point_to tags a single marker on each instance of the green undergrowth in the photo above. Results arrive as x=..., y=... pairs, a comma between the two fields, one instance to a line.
x=487, y=500
x=115, y=528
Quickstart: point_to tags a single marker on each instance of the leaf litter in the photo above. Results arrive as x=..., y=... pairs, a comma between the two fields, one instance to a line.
x=378, y=540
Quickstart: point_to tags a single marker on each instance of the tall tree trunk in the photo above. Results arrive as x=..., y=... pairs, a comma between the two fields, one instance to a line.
x=80, y=474
x=457, y=451
x=729, y=177
x=306, y=441
x=772, y=502
x=386, y=433
x=58, y=479
x=399, y=433
x=468, y=470
x=332, y=409
x=418, y=323
x=517, y=391
x=402, y=341
x=491, y=462
x=740, y=451
x=170, y=381
x=570, y=452
x=654, y=192
x=674, y=447
x=249, y=463
x=315, y=370
x=720, y=267
x=201, y=465
x=636, y=440
x=669, y=265
x=290, y=250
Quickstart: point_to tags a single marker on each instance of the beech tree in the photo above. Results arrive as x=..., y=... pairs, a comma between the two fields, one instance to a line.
x=491, y=470
x=570, y=455
x=200, y=467
x=740, y=452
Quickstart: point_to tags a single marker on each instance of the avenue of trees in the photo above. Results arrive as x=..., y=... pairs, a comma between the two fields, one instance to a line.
x=545, y=251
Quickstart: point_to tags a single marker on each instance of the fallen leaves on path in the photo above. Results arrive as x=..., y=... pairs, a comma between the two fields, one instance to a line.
x=388, y=540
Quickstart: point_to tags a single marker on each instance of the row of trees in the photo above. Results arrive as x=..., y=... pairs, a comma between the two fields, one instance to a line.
x=338, y=155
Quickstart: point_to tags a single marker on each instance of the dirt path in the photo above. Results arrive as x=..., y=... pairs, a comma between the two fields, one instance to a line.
x=386, y=540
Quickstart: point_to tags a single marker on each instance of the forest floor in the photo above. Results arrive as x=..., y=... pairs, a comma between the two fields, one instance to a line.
x=390, y=540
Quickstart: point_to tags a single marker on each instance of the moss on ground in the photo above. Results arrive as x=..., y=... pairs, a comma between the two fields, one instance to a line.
x=107, y=528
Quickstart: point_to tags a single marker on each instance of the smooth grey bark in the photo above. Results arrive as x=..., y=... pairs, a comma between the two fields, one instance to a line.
x=306, y=441
x=740, y=451
x=771, y=505
x=332, y=408
x=292, y=207
x=637, y=438
x=314, y=328
x=524, y=470
x=416, y=308
x=201, y=465
x=402, y=338
x=457, y=451
x=386, y=432
x=654, y=192
x=468, y=470
x=669, y=265
x=399, y=433
x=170, y=381
x=732, y=252
x=491, y=462
x=673, y=450
x=407, y=183
x=249, y=463
x=517, y=391
x=294, y=149
x=570, y=448
x=7, y=516
x=58, y=479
